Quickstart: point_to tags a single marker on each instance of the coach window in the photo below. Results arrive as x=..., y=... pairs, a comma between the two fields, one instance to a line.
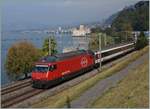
x=52, y=67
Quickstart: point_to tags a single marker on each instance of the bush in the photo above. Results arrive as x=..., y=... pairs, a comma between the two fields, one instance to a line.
x=20, y=59
x=141, y=42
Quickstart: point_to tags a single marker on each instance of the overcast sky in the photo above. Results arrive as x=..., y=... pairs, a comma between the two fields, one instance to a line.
x=33, y=13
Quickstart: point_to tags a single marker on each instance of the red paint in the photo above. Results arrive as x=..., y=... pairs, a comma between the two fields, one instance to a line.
x=64, y=67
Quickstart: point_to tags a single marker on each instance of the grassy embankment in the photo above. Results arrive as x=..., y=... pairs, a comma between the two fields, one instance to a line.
x=59, y=100
x=131, y=92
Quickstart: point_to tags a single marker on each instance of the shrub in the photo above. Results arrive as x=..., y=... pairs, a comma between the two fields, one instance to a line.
x=20, y=59
x=141, y=42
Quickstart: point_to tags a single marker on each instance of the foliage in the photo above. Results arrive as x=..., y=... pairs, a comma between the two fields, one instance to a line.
x=94, y=42
x=20, y=59
x=142, y=41
x=133, y=18
x=105, y=41
x=108, y=31
x=53, y=46
x=96, y=30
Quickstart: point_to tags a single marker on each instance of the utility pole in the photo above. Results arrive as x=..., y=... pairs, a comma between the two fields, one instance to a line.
x=50, y=45
x=100, y=50
x=105, y=40
x=86, y=44
x=62, y=41
x=126, y=36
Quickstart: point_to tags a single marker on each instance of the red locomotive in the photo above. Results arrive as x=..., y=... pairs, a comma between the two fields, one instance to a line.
x=52, y=70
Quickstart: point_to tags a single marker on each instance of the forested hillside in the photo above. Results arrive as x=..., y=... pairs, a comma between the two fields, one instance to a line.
x=135, y=18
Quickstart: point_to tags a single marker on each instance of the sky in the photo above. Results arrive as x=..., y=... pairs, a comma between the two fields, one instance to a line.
x=26, y=14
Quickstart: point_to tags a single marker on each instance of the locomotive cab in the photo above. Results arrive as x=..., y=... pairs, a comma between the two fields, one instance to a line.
x=42, y=69
x=41, y=75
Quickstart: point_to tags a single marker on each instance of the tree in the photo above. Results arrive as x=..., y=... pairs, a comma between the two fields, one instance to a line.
x=20, y=59
x=141, y=42
x=94, y=42
x=96, y=30
x=136, y=16
x=108, y=31
x=53, y=46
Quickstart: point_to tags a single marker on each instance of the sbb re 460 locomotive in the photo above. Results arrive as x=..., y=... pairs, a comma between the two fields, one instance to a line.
x=51, y=70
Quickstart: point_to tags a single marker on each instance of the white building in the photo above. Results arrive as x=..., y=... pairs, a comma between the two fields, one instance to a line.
x=82, y=31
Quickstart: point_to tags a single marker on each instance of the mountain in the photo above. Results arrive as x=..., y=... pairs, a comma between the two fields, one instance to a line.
x=135, y=17
x=109, y=20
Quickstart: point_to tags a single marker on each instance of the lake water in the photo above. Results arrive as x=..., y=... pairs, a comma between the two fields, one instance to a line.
x=37, y=38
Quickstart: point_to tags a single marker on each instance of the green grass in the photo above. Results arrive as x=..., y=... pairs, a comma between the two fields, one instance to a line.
x=131, y=92
x=59, y=100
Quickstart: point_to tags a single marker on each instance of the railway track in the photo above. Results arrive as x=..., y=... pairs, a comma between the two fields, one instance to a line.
x=11, y=101
x=16, y=87
x=20, y=97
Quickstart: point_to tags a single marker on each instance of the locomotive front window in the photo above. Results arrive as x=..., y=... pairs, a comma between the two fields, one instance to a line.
x=40, y=69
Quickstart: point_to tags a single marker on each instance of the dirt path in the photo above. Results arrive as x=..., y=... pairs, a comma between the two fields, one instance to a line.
x=85, y=99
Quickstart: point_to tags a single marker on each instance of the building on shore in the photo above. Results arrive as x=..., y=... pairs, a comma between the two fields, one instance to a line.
x=82, y=31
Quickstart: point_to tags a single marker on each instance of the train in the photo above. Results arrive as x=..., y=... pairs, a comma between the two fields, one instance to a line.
x=52, y=70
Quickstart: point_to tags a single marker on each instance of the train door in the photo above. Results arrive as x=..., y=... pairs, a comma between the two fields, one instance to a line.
x=97, y=59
